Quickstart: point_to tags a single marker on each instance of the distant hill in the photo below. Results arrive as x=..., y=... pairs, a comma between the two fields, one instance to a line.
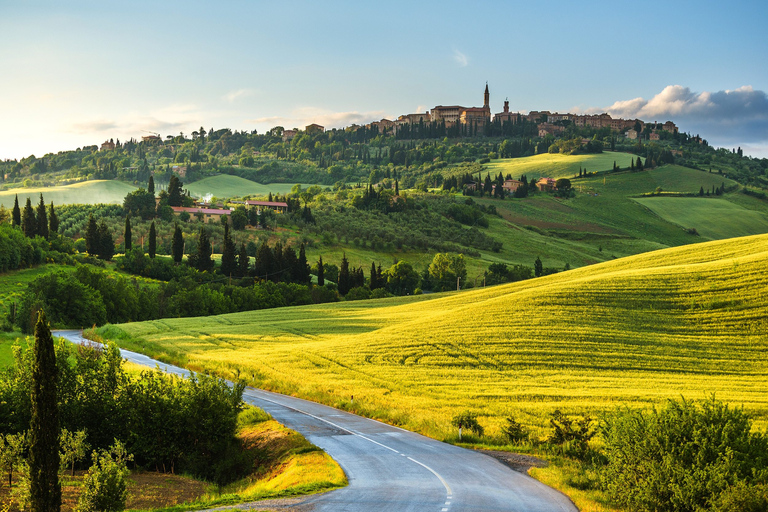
x=685, y=321
x=86, y=192
x=225, y=186
x=557, y=165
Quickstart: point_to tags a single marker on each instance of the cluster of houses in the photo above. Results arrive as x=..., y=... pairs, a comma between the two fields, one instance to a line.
x=510, y=186
x=208, y=212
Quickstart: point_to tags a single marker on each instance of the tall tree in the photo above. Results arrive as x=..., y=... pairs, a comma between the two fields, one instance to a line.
x=42, y=219
x=320, y=272
x=127, y=234
x=263, y=263
x=242, y=262
x=106, y=245
x=178, y=244
x=28, y=221
x=175, y=192
x=152, y=240
x=151, y=185
x=228, y=257
x=303, y=273
x=45, y=489
x=91, y=236
x=538, y=267
x=204, y=261
x=16, y=215
x=374, y=279
x=53, y=221
x=345, y=279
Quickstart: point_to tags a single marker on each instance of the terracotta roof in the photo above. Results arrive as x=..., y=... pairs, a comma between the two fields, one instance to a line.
x=205, y=211
x=266, y=203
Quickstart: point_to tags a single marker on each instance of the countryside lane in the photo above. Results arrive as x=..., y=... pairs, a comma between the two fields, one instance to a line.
x=391, y=469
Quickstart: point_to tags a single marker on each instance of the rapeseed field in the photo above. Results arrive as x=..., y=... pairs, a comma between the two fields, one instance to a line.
x=687, y=321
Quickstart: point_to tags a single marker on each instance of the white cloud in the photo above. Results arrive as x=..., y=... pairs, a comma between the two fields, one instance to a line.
x=232, y=96
x=461, y=59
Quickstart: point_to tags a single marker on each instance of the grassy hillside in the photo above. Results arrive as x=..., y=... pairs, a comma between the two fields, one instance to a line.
x=86, y=192
x=233, y=186
x=684, y=321
x=713, y=218
x=557, y=165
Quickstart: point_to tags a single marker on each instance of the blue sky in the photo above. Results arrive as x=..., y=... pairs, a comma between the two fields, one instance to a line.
x=76, y=73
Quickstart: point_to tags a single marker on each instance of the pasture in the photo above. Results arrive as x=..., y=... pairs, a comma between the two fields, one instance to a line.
x=635, y=331
x=226, y=186
x=713, y=218
x=86, y=192
x=557, y=165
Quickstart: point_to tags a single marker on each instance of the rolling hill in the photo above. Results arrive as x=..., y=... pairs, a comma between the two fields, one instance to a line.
x=225, y=186
x=557, y=165
x=685, y=321
x=86, y=192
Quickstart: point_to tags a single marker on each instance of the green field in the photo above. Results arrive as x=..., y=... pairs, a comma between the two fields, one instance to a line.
x=713, y=218
x=224, y=186
x=86, y=192
x=685, y=321
x=557, y=165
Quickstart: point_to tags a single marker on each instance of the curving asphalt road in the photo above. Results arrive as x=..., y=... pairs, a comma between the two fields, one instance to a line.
x=391, y=469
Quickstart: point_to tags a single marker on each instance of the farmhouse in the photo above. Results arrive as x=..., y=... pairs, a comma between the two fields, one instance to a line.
x=510, y=186
x=107, y=145
x=546, y=184
x=272, y=205
x=289, y=135
x=206, y=213
x=314, y=128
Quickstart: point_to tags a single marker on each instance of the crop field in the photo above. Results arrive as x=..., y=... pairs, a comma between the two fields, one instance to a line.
x=557, y=165
x=224, y=186
x=635, y=331
x=86, y=192
x=713, y=218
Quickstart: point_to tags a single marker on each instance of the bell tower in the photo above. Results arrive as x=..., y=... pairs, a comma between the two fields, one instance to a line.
x=486, y=97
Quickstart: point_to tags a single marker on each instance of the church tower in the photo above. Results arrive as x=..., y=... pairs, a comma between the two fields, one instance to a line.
x=487, y=98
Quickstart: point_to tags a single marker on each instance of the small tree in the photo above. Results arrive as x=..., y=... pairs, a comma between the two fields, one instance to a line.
x=320, y=272
x=16, y=215
x=12, y=448
x=91, y=236
x=127, y=234
x=538, y=267
x=28, y=220
x=468, y=420
x=152, y=246
x=204, y=261
x=514, y=431
x=42, y=219
x=53, y=221
x=178, y=244
x=104, y=487
x=74, y=447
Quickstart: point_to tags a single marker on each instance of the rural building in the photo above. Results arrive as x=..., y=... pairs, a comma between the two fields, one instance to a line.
x=510, y=186
x=207, y=213
x=654, y=135
x=179, y=170
x=546, y=184
x=289, y=135
x=670, y=127
x=272, y=205
x=107, y=145
x=550, y=129
x=631, y=134
x=506, y=116
x=314, y=128
x=151, y=138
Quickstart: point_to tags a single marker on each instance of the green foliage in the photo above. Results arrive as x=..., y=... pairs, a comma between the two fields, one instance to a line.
x=683, y=458
x=140, y=203
x=515, y=432
x=12, y=449
x=402, y=279
x=573, y=434
x=468, y=420
x=104, y=487
x=446, y=269
x=74, y=447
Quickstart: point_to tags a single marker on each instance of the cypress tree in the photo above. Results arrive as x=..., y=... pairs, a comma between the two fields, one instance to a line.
x=28, y=221
x=53, y=221
x=152, y=246
x=127, y=234
x=91, y=236
x=106, y=246
x=175, y=192
x=151, y=185
x=228, y=257
x=178, y=244
x=16, y=215
x=374, y=282
x=320, y=272
x=639, y=164
x=304, y=275
x=538, y=267
x=242, y=262
x=42, y=219
x=345, y=279
x=263, y=262
x=45, y=489
x=204, y=261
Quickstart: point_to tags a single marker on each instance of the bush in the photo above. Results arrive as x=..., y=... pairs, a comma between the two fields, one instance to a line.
x=573, y=433
x=468, y=420
x=104, y=486
x=514, y=431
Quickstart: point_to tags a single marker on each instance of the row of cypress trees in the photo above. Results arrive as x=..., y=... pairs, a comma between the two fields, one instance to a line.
x=35, y=222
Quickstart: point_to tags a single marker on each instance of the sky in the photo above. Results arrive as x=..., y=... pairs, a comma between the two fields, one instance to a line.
x=77, y=73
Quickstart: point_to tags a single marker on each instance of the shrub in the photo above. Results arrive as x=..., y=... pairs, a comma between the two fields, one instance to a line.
x=514, y=431
x=468, y=420
x=574, y=433
x=104, y=486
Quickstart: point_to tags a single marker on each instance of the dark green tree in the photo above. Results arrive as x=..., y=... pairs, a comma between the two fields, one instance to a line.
x=106, y=248
x=320, y=272
x=178, y=244
x=303, y=267
x=92, y=236
x=204, y=261
x=345, y=279
x=538, y=267
x=16, y=215
x=374, y=279
x=263, y=264
x=45, y=489
x=151, y=185
x=639, y=164
x=127, y=234
x=152, y=245
x=228, y=256
x=28, y=221
x=53, y=221
x=42, y=219
x=175, y=192
x=242, y=261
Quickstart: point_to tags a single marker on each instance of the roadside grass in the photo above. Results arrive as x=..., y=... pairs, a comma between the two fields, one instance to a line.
x=557, y=165
x=86, y=192
x=634, y=331
x=227, y=186
x=713, y=218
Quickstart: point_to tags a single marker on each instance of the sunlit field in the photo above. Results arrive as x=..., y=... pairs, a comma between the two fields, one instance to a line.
x=687, y=321
x=225, y=186
x=86, y=192
x=557, y=165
